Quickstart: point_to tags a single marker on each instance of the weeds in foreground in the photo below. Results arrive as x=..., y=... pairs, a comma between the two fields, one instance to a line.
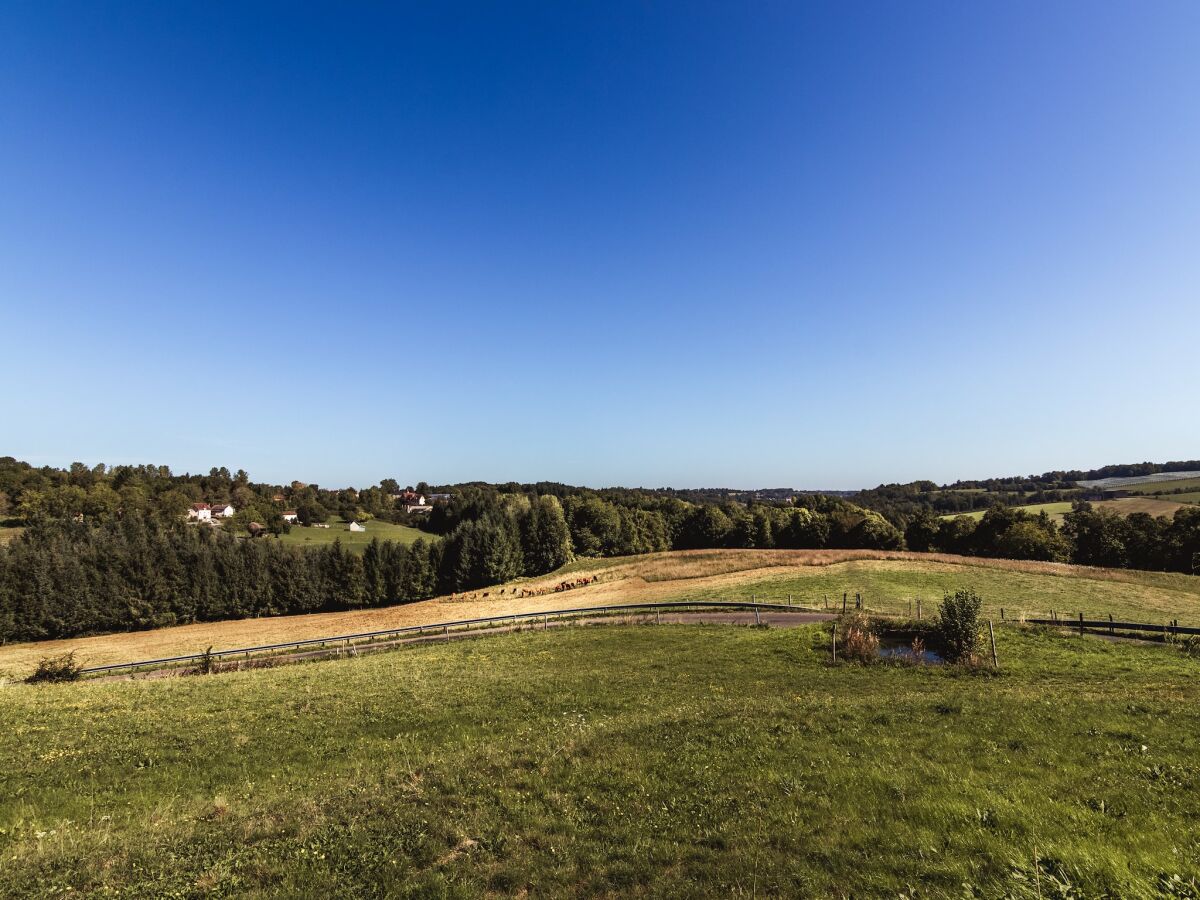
x=859, y=640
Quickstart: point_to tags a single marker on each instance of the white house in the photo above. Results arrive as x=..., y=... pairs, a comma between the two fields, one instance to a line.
x=224, y=510
x=201, y=512
x=354, y=526
x=289, y=516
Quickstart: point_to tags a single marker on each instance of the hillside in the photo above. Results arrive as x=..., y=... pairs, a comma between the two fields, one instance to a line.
x=668, y=761
x=887, y=581
x=1164, y=505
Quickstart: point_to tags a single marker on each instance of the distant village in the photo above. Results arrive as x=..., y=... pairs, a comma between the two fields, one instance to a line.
x=414, y=504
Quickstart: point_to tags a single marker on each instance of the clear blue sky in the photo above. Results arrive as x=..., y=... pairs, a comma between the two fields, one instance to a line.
x=782, y=244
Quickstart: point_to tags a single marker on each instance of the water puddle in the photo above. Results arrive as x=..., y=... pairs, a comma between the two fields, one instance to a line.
x=900, y=646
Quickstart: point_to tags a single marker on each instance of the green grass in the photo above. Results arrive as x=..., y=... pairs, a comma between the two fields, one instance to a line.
x=672, y=761
x=1154, y=505
x=889, y=586
x=352, y=540
x=1162, y=487
x=1054, y=510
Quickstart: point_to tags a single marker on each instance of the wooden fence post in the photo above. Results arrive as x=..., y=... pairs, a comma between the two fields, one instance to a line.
x=992, y=635
x=1002, y=614
x=1081, y=624
x=834, y=644
x=918, y=609
x=756, y=619
x=843, y=601
x=1110, y=624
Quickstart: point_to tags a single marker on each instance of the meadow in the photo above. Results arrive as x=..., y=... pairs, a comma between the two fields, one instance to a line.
x=655, y=761
x=355, y=541
x=888, y=581
x=1163, y=487
x=1165, y=505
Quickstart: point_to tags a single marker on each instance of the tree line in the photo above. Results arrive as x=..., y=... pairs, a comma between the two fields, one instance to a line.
x=1088, y=536
x=120, y=565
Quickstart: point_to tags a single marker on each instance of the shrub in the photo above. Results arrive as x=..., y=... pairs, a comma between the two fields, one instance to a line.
x=207, y=663
x=858, y=638
x=55, y=669
x=1189, y=645
x=958, y=625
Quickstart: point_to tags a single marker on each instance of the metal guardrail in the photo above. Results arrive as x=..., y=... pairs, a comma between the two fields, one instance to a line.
x=445, y=628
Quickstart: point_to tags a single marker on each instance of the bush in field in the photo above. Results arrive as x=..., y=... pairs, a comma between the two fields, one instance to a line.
x=207, y=664
x=56, y=668
x=958, y=625
x=858, y=639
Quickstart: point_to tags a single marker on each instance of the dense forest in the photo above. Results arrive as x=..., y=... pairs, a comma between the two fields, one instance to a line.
x=108, y=549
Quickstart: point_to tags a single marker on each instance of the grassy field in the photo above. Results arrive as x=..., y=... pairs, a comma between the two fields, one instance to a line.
x=652, y=761
x=887, y=580
x=351, y=540
x=9, y=533
x=1159, y=487
x=1155, y=506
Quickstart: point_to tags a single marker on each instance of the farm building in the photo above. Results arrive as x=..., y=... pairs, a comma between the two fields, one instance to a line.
x=201, y=512
x=289, y=516
x=354, y=526
x=224, y=510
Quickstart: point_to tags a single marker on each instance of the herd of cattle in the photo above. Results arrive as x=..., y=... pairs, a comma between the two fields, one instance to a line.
x=530, y=592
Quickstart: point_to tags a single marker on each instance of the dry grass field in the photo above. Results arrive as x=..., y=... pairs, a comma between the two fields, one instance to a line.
x=887, y=580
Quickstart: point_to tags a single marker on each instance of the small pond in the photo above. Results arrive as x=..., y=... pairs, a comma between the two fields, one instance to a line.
x=897, y=645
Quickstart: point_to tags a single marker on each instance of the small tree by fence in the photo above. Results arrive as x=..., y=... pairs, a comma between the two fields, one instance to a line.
x=958, y=624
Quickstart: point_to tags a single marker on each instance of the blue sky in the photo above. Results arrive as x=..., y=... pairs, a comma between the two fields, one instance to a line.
x=810, y=245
